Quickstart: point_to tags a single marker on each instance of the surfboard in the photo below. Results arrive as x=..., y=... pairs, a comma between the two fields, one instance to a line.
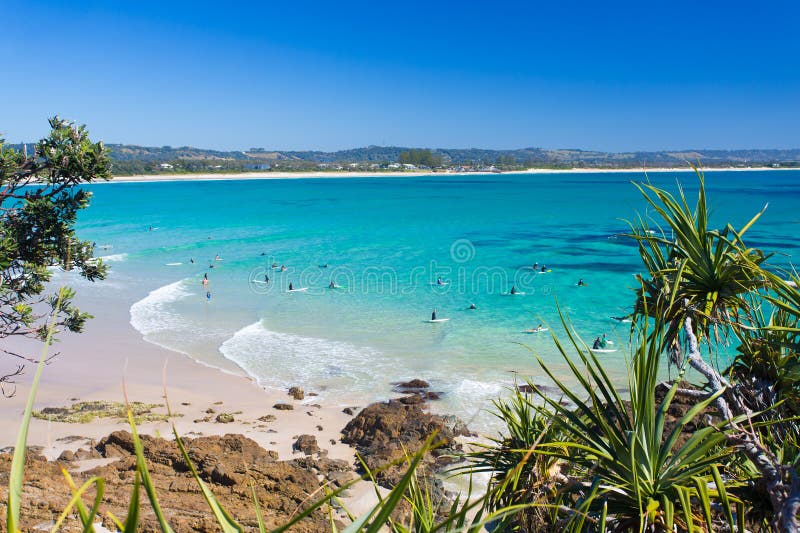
x=534, y=330
x=301, y=289
x=518, y=293
x=442, y=284
x=546, y=271
x=259, y=281
x=437, y=320
x=173, y=264
x=603, y=350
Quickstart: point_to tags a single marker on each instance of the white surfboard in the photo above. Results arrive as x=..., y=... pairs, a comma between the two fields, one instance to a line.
x=173, y=264
x=603, y=350
x=300, y=289
x=437, y=320
x=534, y=330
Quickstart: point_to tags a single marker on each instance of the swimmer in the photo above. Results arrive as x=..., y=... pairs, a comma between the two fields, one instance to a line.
x=473, y=306
x=283, y=268
x=208, y=296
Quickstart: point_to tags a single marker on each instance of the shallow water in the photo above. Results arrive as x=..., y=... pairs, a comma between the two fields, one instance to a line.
x=386, y=242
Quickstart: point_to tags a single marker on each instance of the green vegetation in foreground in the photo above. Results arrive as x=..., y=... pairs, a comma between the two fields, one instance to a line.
x=85, y=412
x=595, y=457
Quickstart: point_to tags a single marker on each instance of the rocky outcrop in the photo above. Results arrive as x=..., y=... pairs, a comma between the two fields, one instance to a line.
x=297, y=393
x=226, y=464
x=384, y=432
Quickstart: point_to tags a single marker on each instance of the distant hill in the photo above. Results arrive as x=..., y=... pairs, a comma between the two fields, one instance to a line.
x=131, y=159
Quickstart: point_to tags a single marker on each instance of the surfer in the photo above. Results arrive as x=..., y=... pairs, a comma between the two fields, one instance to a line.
x=539, y=328
x=604, y=341
x=439, y=281
x=191, y=260
x=324, y=266
x=597, y=344
x=544, y=268
x=536, y=266
x=274, y=265
x=208, y=296
x=513, y=289
x=283, y=268
x=473, y=306
x=216, y=257
x=433, y=315
x=581, y=283
x=266, y=278
x=332, y=285
x=291, y=288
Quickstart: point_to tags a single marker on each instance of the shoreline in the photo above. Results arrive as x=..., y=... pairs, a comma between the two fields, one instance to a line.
x=323, y=175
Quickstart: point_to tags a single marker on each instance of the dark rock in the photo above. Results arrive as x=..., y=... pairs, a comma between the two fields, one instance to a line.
x=414, y=384
x=283, y=406
x=297, y=393
x=306, y=444
x=384, y=432
x=267, y=418
x=66, y=456
x=225, y=464
x=348, y=411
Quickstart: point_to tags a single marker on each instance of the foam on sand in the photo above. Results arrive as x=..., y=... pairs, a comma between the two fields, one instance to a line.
x=114, y=258
x=283, y=359
x=152, y=315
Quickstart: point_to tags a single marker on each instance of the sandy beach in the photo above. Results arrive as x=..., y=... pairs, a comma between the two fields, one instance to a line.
x=92, y=366
x=305, y=175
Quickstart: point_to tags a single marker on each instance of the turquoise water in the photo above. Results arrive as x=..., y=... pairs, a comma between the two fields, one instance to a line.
x=386, y=241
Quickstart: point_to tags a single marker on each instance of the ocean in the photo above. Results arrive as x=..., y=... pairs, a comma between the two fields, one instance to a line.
x=385, y=242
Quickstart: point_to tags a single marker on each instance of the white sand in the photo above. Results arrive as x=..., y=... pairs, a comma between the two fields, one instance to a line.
x=345, y=174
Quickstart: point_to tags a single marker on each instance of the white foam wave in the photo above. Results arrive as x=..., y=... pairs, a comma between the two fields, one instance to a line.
x=114, y=258
x=151, y=314
x=283, y=359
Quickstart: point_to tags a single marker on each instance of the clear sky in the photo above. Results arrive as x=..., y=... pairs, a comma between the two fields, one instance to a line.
x=642, y=75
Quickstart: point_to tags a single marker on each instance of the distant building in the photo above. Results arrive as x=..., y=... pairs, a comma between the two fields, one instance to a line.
x=393, y=165
x=166, y=166
x=409, y=166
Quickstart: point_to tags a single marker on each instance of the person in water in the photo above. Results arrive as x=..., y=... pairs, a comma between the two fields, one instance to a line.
x=266, y=278
x=332, y=285
x=274, y=265
x=604, y=341
x=433, y=315
x=439, y=281
x=536, y=266
x=581, y=283
x=539, y=327
x=208, y=296
x=597, y=344
x=324, y=266
x=473, y=306
x=291, y=288
x=544, y=268
x=216, y=257
x=513, y=289
x=283, y=268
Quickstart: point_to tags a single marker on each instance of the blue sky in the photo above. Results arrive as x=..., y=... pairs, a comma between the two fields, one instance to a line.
x=329, y=75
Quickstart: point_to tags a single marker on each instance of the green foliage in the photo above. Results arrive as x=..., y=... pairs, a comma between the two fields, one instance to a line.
x=597, y=461
x=40, y=197
x=419, y=158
